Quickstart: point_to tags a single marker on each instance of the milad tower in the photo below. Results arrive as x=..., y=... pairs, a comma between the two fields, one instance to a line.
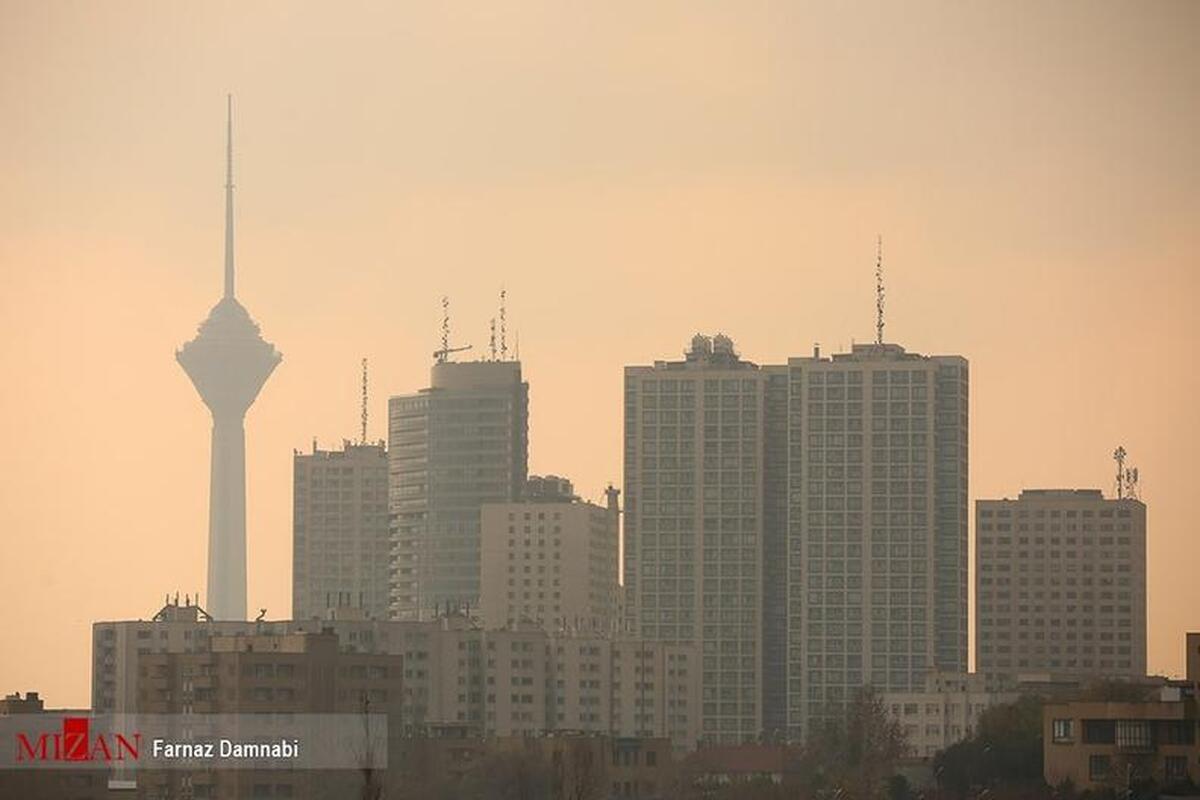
x=228, y=363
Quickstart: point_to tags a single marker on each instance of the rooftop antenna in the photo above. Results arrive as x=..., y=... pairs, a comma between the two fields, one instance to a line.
x=229, y=196
x=503, y=324
x=443, y=355
x=879, y=296
x=364, y=401
x=1127, y=479
x=492, y=340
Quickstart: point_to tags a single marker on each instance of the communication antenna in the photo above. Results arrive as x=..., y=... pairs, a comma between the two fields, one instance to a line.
x=492, y=340
x=1127, y=478
x=879, y=295
x=503, y=324
x=445, y=326
x=443, y=355
x=364, y=401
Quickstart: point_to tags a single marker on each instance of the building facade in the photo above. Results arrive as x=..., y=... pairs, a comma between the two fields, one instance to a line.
x=552, y=561
x=260, y=673
x=1121, y=746
x=341, y=540
x=947, y=708
x=694, y=522
x=520, y=681
x=876, y=525
x=41, y=783
x=804, y=524
x=1061, y=584
x=453, y=447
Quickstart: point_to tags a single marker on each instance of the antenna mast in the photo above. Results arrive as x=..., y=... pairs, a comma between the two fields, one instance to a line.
x=503, y=325
x=364, y=401
x=1127, y=479
x=442, y=355
x=492, y=340
x=879, y=290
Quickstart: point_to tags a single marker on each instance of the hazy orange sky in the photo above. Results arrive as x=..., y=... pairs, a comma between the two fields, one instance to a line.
x=632, y=173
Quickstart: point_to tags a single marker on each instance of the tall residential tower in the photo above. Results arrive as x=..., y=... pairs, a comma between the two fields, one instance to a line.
x=228, y=363
x=694, y=522
x=460, y=443
x=805, y=524
x=876, y=533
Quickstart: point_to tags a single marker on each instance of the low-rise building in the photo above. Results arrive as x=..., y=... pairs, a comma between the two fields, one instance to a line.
x=517, y=681
x=947, y=709
x=257, y=673
x=74, y=783
x=1118, y=745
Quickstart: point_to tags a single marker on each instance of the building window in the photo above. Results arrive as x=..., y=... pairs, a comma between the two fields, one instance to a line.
x=1064, y=730
x=1134, y=734
x=1098, y=767
x=1099, y=731
x=1175, y=768
x=1179, y=731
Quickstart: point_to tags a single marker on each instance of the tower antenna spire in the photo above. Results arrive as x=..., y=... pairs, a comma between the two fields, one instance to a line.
x=229, y=195
x=364, y=401
x=492, y=340
x=879, y=295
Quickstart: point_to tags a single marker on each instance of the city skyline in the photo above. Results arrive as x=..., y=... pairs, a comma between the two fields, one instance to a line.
x=1046, y=263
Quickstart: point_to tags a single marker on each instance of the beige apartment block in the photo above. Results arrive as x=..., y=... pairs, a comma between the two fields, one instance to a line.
x=947, y=709
x=340, y=535
x=551, y=561
x=253, y=673
x=1061, y=584
x=1117, y=746
x=803, y=524
x=451, y=672
x=694, y=522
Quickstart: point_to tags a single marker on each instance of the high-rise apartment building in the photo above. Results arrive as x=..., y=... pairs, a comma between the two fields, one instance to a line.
x=804, y=524
x=341, y=542
x=876, y=525
x=694, y=521
x=453, y=447
x=551, y=559
x=1060, y=582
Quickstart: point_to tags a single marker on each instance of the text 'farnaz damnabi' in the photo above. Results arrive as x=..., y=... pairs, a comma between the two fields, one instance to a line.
x=225, y=748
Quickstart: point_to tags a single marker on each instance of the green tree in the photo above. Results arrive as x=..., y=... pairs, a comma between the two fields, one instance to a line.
x=1005, y=751
x=853, y=755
